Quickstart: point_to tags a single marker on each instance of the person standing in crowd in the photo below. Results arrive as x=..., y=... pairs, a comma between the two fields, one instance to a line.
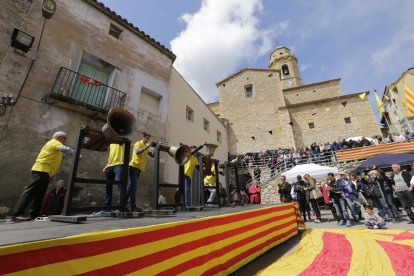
x=328, y=201
x=336, y=190
x=313, y=193
x=284, y=190
x=351, y=196
x=403, y=189
x=298, y=189
x=372, y=220
x=113, y=171
x=374, y=184
x=46, y=165
x=210, y=183
x=54, y=200
x=138, y=163
x=257, y=174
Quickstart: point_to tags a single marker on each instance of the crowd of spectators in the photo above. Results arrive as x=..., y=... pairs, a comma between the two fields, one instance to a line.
x=323, y=153
x=346, y=194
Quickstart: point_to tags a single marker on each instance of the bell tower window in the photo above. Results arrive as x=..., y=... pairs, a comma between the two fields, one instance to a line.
x=285, y=70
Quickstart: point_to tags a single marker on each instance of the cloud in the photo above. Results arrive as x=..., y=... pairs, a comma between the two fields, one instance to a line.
x=303, y=67
x=219, y=37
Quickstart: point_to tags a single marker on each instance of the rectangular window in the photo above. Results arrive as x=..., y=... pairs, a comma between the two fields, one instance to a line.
x=90, y=86
x=347, y=120
x=149, y=101
x=189, y=114
x=311, y=125
x=248, y=89
x=219, y=136
x=206, y=125
x=115, y=31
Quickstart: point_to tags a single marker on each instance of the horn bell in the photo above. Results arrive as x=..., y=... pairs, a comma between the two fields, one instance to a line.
x=210, y=149
x=120, y=123
x=180, y=154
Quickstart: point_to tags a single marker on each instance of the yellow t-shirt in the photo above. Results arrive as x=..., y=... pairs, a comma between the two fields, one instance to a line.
x=189, y=166
x=49, y=158
x=211, y=179
x=139, y=161
x=116, y=154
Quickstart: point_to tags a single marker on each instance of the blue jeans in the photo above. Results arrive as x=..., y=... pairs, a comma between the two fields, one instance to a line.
x=113, y=173
x=371, y=225
x=187, y=189
x=340, y=207
x=354, y=205
x=134, y=174
x=382, y=206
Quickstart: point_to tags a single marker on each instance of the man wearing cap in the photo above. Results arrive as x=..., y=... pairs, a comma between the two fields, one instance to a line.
x=138, y=163
x=403, y=189
x=46, y=165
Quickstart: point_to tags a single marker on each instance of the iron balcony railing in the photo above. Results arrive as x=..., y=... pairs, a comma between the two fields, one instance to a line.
x=83, y=90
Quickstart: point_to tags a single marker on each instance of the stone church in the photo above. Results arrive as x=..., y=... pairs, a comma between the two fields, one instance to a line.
x=271, y=108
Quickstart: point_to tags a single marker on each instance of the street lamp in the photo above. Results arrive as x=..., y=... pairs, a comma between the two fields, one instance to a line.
x=21, y=40
x=48, y=8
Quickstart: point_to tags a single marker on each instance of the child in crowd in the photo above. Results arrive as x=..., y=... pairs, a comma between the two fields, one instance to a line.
x=372, y=220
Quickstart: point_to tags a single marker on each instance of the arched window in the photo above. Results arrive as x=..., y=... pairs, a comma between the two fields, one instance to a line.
x=285, y=69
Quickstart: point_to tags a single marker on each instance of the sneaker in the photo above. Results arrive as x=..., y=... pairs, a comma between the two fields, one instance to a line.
x=410, y=222
x=21, y=218
x=317, y=221
x=395, y=221
x=341, y=223
x=348, y=223
x=376, y=227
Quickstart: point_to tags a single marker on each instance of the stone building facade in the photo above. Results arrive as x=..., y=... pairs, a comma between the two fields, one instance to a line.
x=85, y=60
x=272, y=108
x=396, y=117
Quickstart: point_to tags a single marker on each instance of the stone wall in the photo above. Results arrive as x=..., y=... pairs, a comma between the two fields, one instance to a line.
x=313, y=92
x=328, y=118
x=77, y=27
x=257, y=115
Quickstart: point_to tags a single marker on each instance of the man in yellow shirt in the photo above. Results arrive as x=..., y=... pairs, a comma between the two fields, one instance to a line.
x=137, y=165
x=46, y=165
x=210, y=181
x=113, y=170
x=189, y=167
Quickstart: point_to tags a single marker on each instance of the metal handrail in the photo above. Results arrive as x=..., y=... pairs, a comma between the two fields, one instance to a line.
x=83, y=90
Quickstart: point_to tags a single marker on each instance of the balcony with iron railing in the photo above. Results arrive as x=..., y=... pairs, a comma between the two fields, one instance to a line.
x=70, y=86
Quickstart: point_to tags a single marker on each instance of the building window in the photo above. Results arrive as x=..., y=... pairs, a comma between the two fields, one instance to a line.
x=91, y=87
x=347, y=120
x=206, y=125
x=189, y=114
x=149, y=101
x=248, y=89
x=285, y=70
x=311, y=125
x=115, y=31
x=219, y=136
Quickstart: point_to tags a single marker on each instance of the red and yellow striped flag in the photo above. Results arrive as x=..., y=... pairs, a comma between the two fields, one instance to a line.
x=409, y=95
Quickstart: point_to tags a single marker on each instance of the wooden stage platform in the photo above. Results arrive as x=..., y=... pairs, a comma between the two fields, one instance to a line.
x=212, y=241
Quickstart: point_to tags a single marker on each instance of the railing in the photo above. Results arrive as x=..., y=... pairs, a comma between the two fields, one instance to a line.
x=76, y=88
x=270, y=172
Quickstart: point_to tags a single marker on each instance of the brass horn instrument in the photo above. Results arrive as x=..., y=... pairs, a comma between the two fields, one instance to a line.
x=236, y=160
x=211, y=148
x=180, y=154
x=120, y=123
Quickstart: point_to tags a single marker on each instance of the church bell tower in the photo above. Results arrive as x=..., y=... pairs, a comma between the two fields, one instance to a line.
x=284, y=59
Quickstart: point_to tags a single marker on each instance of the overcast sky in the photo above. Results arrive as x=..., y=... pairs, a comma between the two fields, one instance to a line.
x=367, y=44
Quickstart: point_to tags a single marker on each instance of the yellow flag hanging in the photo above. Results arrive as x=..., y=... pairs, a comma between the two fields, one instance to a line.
x=362, y=96
x=409, y=96
x=380, y=104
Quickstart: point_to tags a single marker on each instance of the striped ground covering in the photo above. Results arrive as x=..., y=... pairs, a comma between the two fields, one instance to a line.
x=366, y=152
x=207, y=246
x=349, y=252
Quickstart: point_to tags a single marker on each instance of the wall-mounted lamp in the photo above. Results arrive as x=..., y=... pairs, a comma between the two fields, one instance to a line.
x=48, y=8
x=21, y=40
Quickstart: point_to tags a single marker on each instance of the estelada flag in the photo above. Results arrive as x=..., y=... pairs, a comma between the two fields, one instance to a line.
x=409, y=96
